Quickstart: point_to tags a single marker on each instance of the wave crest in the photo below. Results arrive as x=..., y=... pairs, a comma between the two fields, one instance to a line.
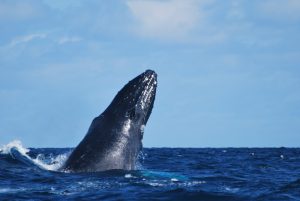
x=16, y=144
x=21, y=153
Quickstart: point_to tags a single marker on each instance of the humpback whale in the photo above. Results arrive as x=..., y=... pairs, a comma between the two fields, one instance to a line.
x=114, y=138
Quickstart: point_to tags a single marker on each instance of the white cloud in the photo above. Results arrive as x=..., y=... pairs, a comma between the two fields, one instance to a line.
x=282, y=9
x=67, y=39
x=26, y=39
x=168, y=19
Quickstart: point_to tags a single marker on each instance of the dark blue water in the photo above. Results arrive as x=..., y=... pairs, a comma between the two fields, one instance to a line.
x=163, y=174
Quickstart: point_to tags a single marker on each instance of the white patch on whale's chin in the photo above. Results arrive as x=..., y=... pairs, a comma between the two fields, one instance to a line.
x=126, y=127
x=142, y=128
x=121, y=143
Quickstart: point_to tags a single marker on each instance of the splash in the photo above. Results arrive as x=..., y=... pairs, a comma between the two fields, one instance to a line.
x=16, y=144
x=20, y=153
x=55, y=162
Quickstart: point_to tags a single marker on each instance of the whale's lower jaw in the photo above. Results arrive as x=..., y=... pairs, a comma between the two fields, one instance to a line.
x=114, y=138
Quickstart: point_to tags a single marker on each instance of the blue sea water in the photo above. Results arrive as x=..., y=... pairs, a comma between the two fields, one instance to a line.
x=162, y=174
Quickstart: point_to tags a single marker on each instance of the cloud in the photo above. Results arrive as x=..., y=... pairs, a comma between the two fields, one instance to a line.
x=170, y=19
x=67, y=39
x=282, y=9
x=26, y=39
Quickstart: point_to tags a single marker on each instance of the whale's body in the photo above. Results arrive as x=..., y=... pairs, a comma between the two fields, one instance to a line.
x=114, y=138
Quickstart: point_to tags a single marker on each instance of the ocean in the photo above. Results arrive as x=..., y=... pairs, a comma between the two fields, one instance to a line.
x=162, y=174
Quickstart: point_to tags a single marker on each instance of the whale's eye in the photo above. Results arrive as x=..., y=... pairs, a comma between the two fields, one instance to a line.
x=131, y=113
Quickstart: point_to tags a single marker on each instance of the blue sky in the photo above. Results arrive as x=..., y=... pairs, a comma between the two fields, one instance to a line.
x=229, y=71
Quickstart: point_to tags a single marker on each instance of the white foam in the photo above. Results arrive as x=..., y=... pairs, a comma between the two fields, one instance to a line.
x=11, y=190
x=128, y=176
x=55, y=162
x=193, y=183
x=17, y=144
x=232, y=190
x=174, y=179
x=155, y=184
x=172, y=182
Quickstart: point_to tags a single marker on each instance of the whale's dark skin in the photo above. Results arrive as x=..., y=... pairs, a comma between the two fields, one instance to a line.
x=114, y=138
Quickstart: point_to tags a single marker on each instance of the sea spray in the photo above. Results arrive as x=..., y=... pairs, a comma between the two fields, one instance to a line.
x=21, y=153
x=17, y=144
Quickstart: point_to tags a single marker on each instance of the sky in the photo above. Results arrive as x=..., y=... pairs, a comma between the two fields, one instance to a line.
x=228, y=71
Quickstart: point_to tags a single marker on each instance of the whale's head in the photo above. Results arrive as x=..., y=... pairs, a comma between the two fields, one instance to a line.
x=129, y=113
x=114, y=138
x=135, y=100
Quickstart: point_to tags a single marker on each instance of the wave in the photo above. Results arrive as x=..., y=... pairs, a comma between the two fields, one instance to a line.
x=17, y=151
